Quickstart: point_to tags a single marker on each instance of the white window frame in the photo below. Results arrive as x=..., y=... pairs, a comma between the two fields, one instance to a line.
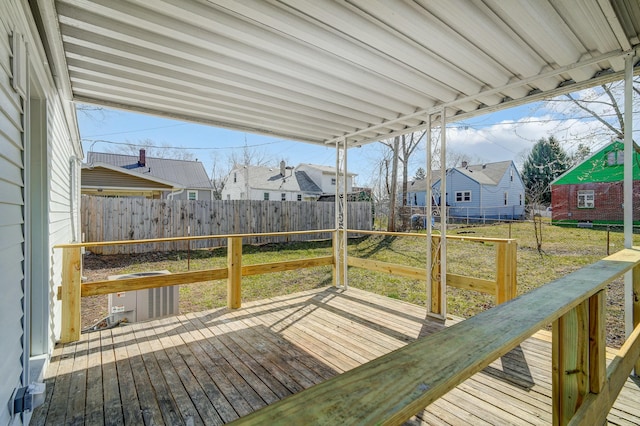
x=283, y=196
x=586, y=199
x=333, y=181
x=299, y=197
x=463, y=196
x=506, y=198
x=195, y=195
x=265, y=196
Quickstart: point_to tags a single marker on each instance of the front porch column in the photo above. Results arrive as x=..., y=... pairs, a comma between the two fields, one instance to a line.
x=340, y=240
x=628, y=188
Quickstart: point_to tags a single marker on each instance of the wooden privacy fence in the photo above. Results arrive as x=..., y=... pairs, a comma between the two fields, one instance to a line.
x=118, y=219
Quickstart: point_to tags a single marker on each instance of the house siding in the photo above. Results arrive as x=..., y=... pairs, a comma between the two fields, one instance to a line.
x=59, y=185
x=11, y=223
x=608, y=203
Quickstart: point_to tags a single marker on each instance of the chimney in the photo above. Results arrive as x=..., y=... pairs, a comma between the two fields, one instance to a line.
x=143, y=158
x=282, y=167
x=464, y=164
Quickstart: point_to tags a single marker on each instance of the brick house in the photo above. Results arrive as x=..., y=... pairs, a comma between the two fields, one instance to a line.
x=591, y=192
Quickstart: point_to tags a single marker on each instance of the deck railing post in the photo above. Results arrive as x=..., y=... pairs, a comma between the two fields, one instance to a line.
x=636, y=308
x=597, y=342
x=436, y=287
x=234, y=281
x=506, y=279
x=71, y=282
x=570, y=363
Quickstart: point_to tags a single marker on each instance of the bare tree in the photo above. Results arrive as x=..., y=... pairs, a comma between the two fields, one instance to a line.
x=402, y=148
x=604, y=104
x=250, y=156
x=153, y=149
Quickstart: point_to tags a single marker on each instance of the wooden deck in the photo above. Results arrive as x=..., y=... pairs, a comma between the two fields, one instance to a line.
x=215, y=366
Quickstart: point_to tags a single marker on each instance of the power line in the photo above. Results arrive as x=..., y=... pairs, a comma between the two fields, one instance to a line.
x=94, y=141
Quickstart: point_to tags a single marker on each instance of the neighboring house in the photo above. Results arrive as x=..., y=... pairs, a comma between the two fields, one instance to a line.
x=417, y=191
x=119, y=175
x=592, y=191
x=325, y=177
x=306, y=182
x=483, y=191
x=39, y=195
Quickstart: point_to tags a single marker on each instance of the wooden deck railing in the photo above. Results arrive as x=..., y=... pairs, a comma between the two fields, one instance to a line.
x=72, y=290
x=392, y=388
x=503, y=287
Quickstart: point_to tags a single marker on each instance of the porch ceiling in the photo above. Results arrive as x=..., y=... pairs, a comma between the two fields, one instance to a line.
x=315, y=71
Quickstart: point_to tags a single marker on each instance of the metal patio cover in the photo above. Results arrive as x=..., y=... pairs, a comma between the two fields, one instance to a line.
x=317, y=70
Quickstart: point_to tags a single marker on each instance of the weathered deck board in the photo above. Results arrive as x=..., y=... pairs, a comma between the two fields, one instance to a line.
x=213, y=367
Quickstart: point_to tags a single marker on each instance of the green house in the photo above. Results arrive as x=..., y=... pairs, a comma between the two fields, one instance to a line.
x=591, y=193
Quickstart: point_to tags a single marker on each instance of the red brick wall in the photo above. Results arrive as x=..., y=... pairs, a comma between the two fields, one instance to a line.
x=607, y=197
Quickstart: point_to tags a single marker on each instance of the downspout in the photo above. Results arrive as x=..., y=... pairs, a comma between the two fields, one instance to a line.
x=178, y=192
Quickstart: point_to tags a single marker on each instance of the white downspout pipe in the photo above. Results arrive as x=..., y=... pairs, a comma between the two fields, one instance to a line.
x=174, y=193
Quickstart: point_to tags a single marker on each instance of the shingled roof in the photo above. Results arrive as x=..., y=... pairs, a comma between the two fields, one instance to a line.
x=187, y=174
x=269, y=178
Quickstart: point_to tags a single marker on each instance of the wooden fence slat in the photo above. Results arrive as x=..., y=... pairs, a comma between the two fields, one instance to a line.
x=117, y=219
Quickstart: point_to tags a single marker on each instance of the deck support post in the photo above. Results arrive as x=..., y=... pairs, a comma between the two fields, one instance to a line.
x=506, y=261
x=71, y=282
x=570, y=362
x=234, y=280
x=340, y=278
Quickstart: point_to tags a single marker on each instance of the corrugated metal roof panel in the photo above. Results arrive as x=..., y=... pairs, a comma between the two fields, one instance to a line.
x=320, y=70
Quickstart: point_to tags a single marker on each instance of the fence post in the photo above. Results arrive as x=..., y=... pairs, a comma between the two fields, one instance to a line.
x=234, y=280
x=71, y=282
x=506, y=279
x=570, y=362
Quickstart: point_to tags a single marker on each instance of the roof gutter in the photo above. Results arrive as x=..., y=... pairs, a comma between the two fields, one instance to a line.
x=173, y=193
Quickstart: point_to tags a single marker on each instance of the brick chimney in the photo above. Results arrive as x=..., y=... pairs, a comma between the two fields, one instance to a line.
x=142, y=161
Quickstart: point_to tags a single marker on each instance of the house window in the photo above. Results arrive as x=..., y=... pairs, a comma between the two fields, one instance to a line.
x=333, y=181
x=511, y=174
x=235, y=177
x=615, y=158
x=506, y=198
x=299, y=197
x=266, y=196
x=463, y=196
x=228, y=197
x=586, y=199
x=283, y=197
x=192, y=195
x=520, y=198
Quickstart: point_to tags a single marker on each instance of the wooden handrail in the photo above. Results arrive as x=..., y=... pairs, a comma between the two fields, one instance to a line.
x=416, y=234
x=392, y=388
x=193, y=238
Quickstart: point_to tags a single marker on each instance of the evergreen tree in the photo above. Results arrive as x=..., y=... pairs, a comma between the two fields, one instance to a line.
x=420, y=174
x=546, y=161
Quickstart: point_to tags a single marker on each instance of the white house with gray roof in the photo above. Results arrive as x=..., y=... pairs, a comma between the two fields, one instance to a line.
x=109, y=174
x=305, y=182
x=481, y=191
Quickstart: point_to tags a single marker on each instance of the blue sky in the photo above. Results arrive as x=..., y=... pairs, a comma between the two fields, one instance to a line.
x=504, y=135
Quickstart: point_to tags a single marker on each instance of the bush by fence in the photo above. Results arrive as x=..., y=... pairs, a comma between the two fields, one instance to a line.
x=112, y=219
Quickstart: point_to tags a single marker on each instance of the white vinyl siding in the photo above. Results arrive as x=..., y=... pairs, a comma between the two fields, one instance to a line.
x=11, y=225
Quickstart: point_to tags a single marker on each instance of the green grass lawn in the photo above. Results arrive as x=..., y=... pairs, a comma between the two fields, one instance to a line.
x=564, y=250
